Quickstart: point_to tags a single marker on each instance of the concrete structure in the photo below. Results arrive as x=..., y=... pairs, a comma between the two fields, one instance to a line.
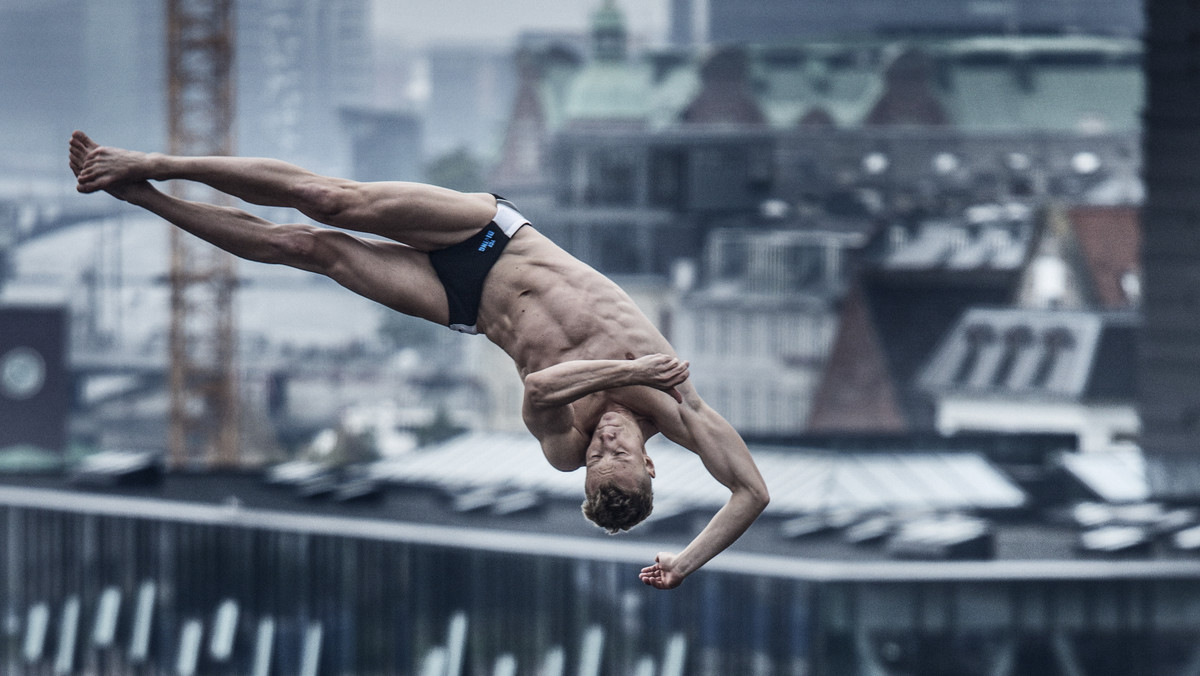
x=456, y=567
x=1170, y=342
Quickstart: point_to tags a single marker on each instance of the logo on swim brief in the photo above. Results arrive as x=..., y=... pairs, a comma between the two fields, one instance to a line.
x=489, y=241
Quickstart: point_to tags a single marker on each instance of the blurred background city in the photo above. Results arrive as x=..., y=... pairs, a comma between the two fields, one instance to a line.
x=935, y=260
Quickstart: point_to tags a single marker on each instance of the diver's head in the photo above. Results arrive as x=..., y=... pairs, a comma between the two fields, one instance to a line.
x=618, y=486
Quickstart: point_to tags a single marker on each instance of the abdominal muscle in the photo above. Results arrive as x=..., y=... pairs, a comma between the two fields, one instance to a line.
x=543, y=306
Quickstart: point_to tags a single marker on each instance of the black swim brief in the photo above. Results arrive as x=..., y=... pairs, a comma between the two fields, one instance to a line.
x=463, y=267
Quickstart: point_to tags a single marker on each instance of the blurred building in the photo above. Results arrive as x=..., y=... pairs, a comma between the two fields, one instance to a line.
x=645, y=164
x=758, y=320
x=71, y=64
x=989, y=322
x=781, y=21
x=385, y=145
x=903, y=305
x=1169, y=383
x=1085, y=257
x=1042, y=371
x=471, y=92
x=35, y=385
x=662, y=142
x=299, y=62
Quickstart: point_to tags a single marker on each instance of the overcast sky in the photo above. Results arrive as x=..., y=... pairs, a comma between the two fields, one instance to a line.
x=417, y=23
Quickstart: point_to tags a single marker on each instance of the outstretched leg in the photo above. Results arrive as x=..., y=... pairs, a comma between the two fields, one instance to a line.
x=389, y=273
x=422, y=216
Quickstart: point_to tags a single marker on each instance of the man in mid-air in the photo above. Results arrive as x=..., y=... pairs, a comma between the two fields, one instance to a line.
x=599, y=377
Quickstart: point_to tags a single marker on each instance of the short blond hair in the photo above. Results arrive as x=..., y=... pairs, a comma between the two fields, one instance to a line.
x=616, y=508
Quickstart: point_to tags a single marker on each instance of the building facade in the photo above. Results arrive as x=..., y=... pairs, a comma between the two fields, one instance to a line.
x=762, y=21
x=759, y=323
x=72, y=64
x=471, y=92
x=106, y=584
x=1169, y=389
x=299, y=62
x=885, y=128
x=1020, y=370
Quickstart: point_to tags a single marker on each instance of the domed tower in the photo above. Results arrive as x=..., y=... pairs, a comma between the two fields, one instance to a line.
x=609, y=37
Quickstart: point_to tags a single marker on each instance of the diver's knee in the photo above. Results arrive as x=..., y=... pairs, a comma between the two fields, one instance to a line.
x=295, y=245
x=326, y=200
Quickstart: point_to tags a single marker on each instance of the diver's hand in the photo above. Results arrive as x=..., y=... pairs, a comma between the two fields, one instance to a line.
x=663, y=573
x=660, y=371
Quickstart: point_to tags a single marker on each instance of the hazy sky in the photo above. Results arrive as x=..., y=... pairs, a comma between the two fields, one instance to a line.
x=416, y=23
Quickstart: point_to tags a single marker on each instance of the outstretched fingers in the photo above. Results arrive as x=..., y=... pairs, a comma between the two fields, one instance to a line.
x=651, y=575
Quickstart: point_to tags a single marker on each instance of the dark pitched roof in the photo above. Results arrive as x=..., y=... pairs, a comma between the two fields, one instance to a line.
x=1110, y=240
x=523, y=152
x=856, y=393
x=725, y=96
x=908, y=97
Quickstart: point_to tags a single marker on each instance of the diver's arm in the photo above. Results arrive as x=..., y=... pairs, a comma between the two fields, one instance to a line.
x=728, y=460
x=569, y=381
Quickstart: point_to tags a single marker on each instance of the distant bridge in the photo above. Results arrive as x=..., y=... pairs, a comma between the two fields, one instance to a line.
x=24, y=219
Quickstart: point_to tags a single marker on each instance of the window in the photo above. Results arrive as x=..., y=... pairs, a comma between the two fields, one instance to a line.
x=611, y=178
x=1016, y=339
x=977, y=337
x=667, y=167
x=1057, y=342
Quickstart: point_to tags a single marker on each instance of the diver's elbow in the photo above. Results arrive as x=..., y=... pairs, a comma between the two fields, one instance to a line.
x=536, y=391
x=764, y=499
x=759, y=497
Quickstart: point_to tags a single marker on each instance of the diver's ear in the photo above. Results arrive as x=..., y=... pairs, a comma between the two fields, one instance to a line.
x=649, y=465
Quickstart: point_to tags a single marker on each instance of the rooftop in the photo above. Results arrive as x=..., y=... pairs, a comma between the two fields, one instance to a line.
x=833, y=513
x=1027, y=352
x=1070, y=84
x=990, y=237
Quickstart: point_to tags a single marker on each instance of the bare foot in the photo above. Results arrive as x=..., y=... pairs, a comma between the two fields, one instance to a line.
x=83, y=150
x=100, y=167
x=81, y=145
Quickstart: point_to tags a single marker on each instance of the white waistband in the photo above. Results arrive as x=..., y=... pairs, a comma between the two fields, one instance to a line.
x=508, y=218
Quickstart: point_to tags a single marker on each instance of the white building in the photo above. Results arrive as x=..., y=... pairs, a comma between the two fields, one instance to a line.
x=1020, y=370
x=759, y=330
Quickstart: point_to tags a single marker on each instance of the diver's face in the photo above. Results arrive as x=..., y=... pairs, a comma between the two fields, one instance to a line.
x=617, y=453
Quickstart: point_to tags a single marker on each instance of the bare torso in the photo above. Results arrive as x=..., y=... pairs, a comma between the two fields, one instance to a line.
x=543, y=306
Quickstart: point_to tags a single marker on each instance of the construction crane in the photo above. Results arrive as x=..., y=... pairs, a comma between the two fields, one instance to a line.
x=203, y=426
